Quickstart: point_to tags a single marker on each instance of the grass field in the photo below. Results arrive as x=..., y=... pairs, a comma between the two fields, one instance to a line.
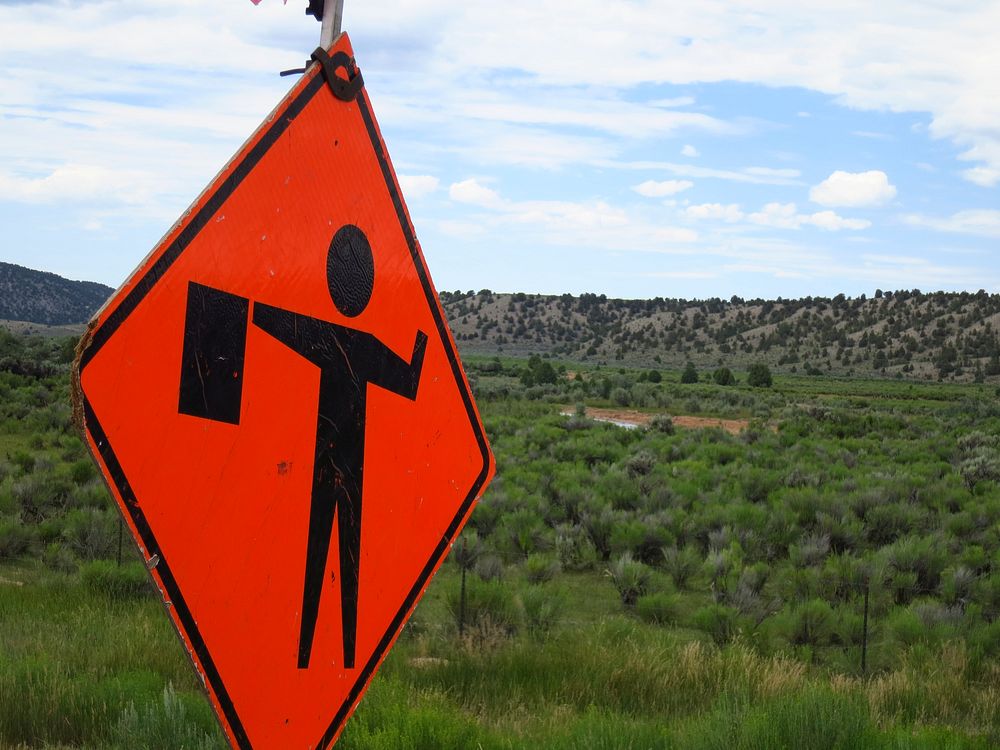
x=651, y=588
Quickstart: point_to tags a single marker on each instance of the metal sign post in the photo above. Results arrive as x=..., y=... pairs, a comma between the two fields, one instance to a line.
x=333, y=14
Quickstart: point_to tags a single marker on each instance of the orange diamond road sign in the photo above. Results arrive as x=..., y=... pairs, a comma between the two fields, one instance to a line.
x=278, y=406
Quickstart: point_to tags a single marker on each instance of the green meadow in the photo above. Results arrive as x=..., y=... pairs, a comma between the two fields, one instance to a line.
x=666, y=586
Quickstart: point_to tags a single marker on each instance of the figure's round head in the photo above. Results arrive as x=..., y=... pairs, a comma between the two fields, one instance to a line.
x=350, y=270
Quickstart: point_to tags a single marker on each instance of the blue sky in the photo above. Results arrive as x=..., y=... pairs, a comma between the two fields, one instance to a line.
x=632, y=148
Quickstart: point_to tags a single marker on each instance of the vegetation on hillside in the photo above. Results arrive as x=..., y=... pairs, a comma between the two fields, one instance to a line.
x=657, y=587
x=906, y=333
x=41, y=297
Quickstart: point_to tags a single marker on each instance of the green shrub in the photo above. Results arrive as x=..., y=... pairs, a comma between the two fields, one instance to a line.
x=812, y=623
x=15, y=539
x=720, y=622
x=176, y=722
x=24, y=461
x=690, y=375
x=630, y=577
x=661, y=608
x=759, y=376
x=723, y=376
x=574, y=548
x=82, y=471
x=982, y=466
x=524, y=531
x=906, y=627
x=489, y=567
x=957, y=585
x=91, y=533
x=663, y=424
x=640, y=464
x=542, y=608
x=487, y=604
x=40, y=495
x=681, y=564
x=539, y=568
x=57, y=557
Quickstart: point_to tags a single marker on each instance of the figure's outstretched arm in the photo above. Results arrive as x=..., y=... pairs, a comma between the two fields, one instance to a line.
x=300, y=333
x=395, y=374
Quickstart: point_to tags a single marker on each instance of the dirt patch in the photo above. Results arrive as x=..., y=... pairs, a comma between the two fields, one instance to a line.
x=641, y=419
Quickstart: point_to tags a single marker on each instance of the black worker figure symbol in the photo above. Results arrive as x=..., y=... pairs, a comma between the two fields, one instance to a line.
x=348, y=360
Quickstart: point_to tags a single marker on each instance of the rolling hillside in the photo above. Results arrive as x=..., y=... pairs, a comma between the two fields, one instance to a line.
x=45, y=298
x=906, y=333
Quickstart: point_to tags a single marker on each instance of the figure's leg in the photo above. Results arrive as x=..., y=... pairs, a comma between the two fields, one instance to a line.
x=349, y=529
x=317, y=549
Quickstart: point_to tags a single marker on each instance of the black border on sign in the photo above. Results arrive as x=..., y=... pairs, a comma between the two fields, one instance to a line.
x=136, y=295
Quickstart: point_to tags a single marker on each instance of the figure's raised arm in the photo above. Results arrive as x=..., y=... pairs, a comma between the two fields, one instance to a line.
x=394, y=374
x=308, y=336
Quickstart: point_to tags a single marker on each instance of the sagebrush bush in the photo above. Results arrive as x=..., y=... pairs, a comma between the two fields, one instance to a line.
x=57, y=557
x=630, y=577
x=91, y=533
x=489, y=567
x=542, y=608
x=15, y=539
x=175, y=722
x=539, y=568
x=574, y=548
x=663, y=424
x=681, y=564
x=487, y=603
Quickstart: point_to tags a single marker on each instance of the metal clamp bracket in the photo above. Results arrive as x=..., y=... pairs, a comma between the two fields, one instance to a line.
x=344, y=89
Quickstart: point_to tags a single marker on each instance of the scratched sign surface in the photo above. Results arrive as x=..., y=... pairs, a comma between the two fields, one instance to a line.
x=278, y=406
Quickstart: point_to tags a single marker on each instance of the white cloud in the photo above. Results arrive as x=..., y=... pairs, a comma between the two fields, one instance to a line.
x=870, y=56
x=751, y=175
x=690, y=151
x=507, y=145
x=730, y=213
x=417, y=185
x=786, y=216
x=776, y=215
x=471, y=192
x=593, y=223
x=983, y=176
x=832, y=222
x=573, y=109
x=77, y=183
x=982, y=222
x=792, y=261
x=653, y=189
x=853, y=189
